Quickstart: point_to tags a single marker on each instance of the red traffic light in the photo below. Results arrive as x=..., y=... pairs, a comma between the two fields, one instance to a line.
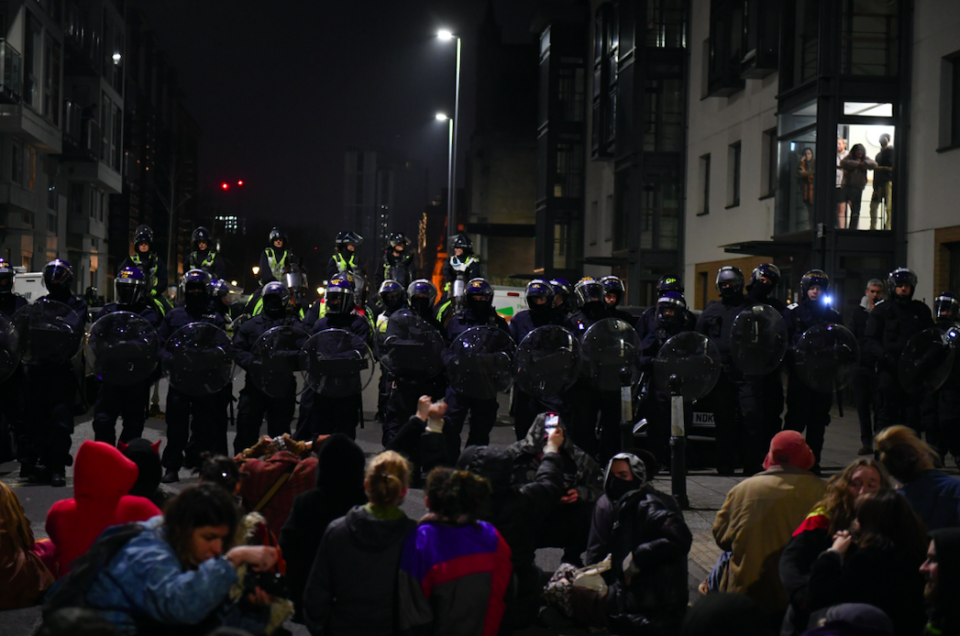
x=224, y=186
x=240, y=183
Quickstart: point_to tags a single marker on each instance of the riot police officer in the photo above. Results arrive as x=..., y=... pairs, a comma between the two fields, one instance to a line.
x=541, y=312
x=344, y=259
x=613, y=292
x=422, y=296
x=393, y=298
x=562, y=296
x=148, y=262
x=128, y=402
x=671, y=320
x=647, y=322
x=11, y=390
x=397, y=263
x=203, y=256
x=763, y=282
x=51, y=388
x=890, y=326
x=275, y=257
x=462, y=265
x=199, y=417
x=477, y=311
x=328, y=415
x=944, y=424
x=254, y=403
x=807, y=408
x=735, y=398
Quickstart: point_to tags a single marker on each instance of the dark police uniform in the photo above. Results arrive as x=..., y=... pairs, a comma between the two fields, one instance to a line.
x=12, y=402
x=153, y=268
x=394, y=267
x=208, y=260
x=654, y=405
x=771, y=391
x=526, y=408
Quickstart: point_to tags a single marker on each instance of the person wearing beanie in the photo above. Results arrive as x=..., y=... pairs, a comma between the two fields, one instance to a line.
x=759, y=517
x=942, y=573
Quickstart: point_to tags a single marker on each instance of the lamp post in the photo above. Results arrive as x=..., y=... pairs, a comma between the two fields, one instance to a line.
x=451, y=218
x=445, y=36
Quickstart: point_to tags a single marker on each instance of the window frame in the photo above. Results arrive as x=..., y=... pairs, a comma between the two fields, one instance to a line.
x=734, y=174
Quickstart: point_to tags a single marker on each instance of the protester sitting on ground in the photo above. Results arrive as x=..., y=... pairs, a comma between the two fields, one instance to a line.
x=934, y=495
x=178, y=570
x=758, y=517
x=275, y=472
x=942, y=573
x=338, y=488
x=644, y=532
x=815, y=534
x=516, y=511
x=565, y=526
x=455, y=570
x=102, y=477
x=146, y=456
x=421, y=439
x=24, y=573
x=724, y=614
x=877, y=562
x=352, y=587
x=853, y=619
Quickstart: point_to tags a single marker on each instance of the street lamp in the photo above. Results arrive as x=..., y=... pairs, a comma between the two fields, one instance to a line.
x=451, y=219
x=256, y=270
x=445, y=35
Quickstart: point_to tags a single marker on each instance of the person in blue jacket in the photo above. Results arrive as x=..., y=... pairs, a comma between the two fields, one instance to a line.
x=177, y=573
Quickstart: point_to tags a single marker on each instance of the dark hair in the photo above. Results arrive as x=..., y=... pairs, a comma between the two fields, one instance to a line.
x=853, y=151
x=197, y=507
x=885, y=135
x=220, y=470
x=452, y=494
x=838, y=503
x=76, y=621
x=887, y=521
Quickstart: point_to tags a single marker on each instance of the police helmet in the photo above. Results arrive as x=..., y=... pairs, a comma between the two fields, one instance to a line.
x=346, y=277
x=946, y=306
x=814, y=277
x=729, y=281
x=669, y=283
x=478, y=295
x=671, y=309
x=463, y=242
x=392, y=295
x=58, y=276
x=612, y=285
x=588, y=290
x=276, y=234
x=539, y=289
x=422, y=294
x=275, y=297
x=195, y=280
x=218, y=288
x=765, y=270
x=398, y=238
x=339, y=296
x=201, y=234
x=348, y=238
x=130, y=286
x=898, y=277
x=143, y=234
x=7, y=275
x=562, y=291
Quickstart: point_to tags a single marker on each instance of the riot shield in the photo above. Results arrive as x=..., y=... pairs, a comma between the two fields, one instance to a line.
x=609, y=347
x=276, y=356
x=50, y=332
x=9, y=348
x=926, y=361
x=826, y=357
x=480, y=362
x=412, y=349
x=758, y=340
x=689, y=361
x=336, y=363
x=122, y=347
x=548, y=361
x=198, y=359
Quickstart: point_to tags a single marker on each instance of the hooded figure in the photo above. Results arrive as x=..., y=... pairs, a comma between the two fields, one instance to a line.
x=102, y=477
x=147, y=458
x=516, y=512
x=942, y=572
x=339, y=487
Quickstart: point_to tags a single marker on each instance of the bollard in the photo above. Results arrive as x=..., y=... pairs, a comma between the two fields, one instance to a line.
x=678, y=444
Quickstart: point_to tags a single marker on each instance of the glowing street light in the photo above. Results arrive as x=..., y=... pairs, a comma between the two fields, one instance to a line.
x=444, y=35
x=256, y=270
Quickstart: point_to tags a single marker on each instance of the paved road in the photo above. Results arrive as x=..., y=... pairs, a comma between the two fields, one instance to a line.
x=706, y=491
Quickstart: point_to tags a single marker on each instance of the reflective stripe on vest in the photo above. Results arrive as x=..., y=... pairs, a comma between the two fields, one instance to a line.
x=276, y=267
x=342, y=263
x=150, y=273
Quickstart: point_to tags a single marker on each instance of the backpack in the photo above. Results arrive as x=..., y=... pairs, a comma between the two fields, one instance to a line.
x=70, y=591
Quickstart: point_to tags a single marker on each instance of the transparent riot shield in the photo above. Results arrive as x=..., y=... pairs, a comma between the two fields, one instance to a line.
x=122, y=348
x=926, y=361
x=480, y=362
x=336, y=363
x=548, y=361
x=9, y=348
x=50, y=332
x=198, y=359
x=688, y=362
x=276, y=357
x=758, y=340
x=412, y=349
x=826, y=357
x=611, y=350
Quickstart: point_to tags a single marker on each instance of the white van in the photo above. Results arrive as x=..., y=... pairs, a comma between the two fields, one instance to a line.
x=509, y=301
x=29, y=285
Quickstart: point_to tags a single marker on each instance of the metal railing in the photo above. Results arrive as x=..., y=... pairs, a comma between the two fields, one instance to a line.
x=11, y=70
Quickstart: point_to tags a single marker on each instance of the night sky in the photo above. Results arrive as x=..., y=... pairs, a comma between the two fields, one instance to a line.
x=282, y=89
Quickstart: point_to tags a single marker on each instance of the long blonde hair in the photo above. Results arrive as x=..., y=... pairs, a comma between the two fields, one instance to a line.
x=387, y=479
x=15, y=525
x=904, y=454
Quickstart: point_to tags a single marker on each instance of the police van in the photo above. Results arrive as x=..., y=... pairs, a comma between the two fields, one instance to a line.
x=28, y=284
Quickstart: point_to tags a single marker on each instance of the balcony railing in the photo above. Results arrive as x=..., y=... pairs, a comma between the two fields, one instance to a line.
x=11, y=73
x=72, y=118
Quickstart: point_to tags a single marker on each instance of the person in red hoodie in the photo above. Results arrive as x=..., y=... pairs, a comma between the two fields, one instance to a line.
x=102, y=477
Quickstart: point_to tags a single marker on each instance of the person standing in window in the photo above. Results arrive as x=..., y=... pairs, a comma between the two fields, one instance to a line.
x=882, y=184
x=841, y=199
x=807, y=166
x=855, y=166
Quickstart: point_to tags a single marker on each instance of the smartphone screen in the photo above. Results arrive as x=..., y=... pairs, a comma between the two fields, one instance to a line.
x=553, y=420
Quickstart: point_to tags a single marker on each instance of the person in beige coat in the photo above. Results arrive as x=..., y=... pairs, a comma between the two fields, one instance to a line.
x=759, y=517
